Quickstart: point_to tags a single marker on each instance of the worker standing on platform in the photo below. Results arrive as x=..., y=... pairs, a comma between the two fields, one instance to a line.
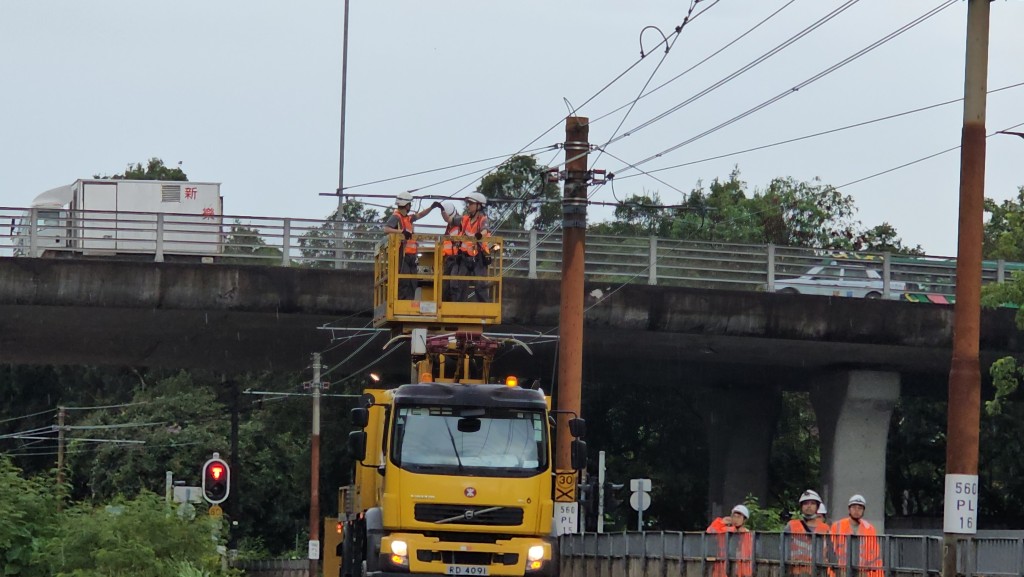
x=475, y=251
x=742, y=565
x=401, y=222
x=451, y=246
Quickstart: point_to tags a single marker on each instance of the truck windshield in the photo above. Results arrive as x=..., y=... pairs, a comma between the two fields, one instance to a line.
x=477, y=441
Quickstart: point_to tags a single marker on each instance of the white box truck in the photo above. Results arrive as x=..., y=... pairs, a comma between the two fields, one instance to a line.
x=113, y=217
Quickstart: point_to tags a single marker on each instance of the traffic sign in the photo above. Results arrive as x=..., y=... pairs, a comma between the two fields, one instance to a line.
x=639, y=485
x=640, y=501
x=567, y=518
x=216, y=511
x=565, y=487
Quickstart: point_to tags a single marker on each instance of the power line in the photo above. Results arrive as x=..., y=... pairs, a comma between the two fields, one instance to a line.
x=914, y=23
x=742, y=70
x=449, y=167
x=28, y=416
x=816, y=134
x=101, y=407
x=919, y=160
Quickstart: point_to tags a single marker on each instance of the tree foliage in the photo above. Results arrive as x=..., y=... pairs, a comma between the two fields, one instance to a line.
x=319, y=244
x=1004, y=231
x=155, y=169
x=520, y=197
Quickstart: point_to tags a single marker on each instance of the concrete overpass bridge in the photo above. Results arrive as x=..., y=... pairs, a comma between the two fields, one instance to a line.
x=853, y=355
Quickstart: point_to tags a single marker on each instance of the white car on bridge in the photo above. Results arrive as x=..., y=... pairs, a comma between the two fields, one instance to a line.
x=842, y=280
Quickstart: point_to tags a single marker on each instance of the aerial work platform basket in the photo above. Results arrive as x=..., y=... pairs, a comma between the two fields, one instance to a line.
x=428, y=306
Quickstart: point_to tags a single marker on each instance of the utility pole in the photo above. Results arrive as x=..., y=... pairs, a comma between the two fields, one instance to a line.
x=570, y=319
x=341, y=156
x=314, y=475
x=964, y=408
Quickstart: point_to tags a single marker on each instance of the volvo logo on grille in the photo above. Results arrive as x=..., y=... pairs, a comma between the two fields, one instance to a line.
x=470, y=492
x=469, y=514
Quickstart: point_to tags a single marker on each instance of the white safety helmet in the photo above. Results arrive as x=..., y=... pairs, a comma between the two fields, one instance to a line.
x=858, y=500
x=810, y=495
x=449, y=207
x=742, y=510
x=822, y=510
x=476, y=197
x=403, y=199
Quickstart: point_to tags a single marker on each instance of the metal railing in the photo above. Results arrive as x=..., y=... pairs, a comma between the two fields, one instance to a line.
x=348, y=245
x=776, y=555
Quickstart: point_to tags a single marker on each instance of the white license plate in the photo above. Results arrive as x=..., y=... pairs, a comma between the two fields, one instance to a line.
x=467, y=570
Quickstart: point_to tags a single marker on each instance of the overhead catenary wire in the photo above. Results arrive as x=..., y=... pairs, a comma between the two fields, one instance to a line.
x=815, y=134
x=29, y=416
x=829, y=70
x=740, y=71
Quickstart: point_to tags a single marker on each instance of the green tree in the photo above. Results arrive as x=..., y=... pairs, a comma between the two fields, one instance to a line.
x=318, y=243
x=28, y=507
x=884, y=238
x=1004, y=231
x=638, y=215
x=247, y=242
x=1005, y=372
x=155, y=169
x=520, y=197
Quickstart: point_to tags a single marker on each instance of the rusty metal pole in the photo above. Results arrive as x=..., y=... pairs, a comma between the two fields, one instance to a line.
x=570, y=318
x=314, y=475
x=964, y=409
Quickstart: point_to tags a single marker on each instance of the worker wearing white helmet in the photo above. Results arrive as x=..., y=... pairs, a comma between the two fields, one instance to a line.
x=401, y=222
x=474, y=250
x=855, y=541
x=734, y=523
x=451, y=248
x=801, y=542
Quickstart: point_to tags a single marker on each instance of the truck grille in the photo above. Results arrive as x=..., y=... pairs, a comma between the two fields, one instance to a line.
x=468, y=514
x=467, y=557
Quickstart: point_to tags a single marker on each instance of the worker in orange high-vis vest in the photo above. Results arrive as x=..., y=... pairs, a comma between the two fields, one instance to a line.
x=400, y=222
x=451, y=246
x=801, y=534
x=474, y=250
x=856, y=544
x=741, y=561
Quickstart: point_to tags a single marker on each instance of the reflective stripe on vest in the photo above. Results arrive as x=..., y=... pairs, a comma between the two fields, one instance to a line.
x=471, y=226
x=405, y=223
x=801, y=542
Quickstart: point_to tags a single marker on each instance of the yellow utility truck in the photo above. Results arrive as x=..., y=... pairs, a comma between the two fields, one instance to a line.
x=453, y=473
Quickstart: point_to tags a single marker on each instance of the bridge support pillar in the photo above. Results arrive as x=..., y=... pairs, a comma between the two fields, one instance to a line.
x=853, y=410
x=741, y=427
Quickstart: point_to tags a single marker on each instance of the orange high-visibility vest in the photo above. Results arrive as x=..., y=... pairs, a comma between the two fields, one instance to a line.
x=801, y=544
x=471, y=226
x=741, y=565
x=405, y=222
x=449, y=246
x=870, y=555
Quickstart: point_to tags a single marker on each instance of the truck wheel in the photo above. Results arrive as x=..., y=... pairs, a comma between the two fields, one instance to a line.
x=789, y=291
x=873, y=295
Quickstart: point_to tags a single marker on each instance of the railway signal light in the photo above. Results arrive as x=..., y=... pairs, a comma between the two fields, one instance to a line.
x=216, y=480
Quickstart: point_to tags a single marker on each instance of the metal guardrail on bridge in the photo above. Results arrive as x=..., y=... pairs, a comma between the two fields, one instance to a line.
x=770, y=555
x=533, y=254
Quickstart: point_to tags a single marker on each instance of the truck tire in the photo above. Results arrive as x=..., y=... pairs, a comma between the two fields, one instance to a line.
x=789, y=291
x=873, y=295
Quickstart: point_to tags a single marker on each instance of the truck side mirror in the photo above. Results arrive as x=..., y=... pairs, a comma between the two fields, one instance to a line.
x=578, y=428
x=579, y=455
x=357, y=445
x=360, y=417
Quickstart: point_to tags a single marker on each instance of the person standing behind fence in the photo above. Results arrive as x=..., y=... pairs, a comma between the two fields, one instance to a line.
x=855, y=542
x=474, y=249
x=801, y=533
x=742, y=560
x=451, y=246
x=400, y=222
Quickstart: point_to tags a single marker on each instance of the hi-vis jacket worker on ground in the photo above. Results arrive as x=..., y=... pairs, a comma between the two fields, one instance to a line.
x=855, y=543
x=744, y=543
x=802, y=541
x=473, y=251
x=400, y=222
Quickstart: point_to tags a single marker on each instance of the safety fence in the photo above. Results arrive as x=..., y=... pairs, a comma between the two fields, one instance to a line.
x=227, y=239
x=780, y=554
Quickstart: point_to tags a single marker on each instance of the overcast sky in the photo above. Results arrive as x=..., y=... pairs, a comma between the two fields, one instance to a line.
x=248, y=94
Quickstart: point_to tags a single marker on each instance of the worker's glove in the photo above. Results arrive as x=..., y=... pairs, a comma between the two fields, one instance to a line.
x=437, y=205
x=406, y=234
x=487, y=260
x=478, y=236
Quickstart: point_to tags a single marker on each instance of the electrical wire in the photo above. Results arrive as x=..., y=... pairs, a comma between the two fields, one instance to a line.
x=899, y=31
x=449, y=167
x=919, y=160
x=817, y=134
x=106, y=406
x=28, y=416
x=742, y=70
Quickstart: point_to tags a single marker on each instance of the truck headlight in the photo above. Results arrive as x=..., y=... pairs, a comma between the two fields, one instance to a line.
x=400, y=548
x=536, y=553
